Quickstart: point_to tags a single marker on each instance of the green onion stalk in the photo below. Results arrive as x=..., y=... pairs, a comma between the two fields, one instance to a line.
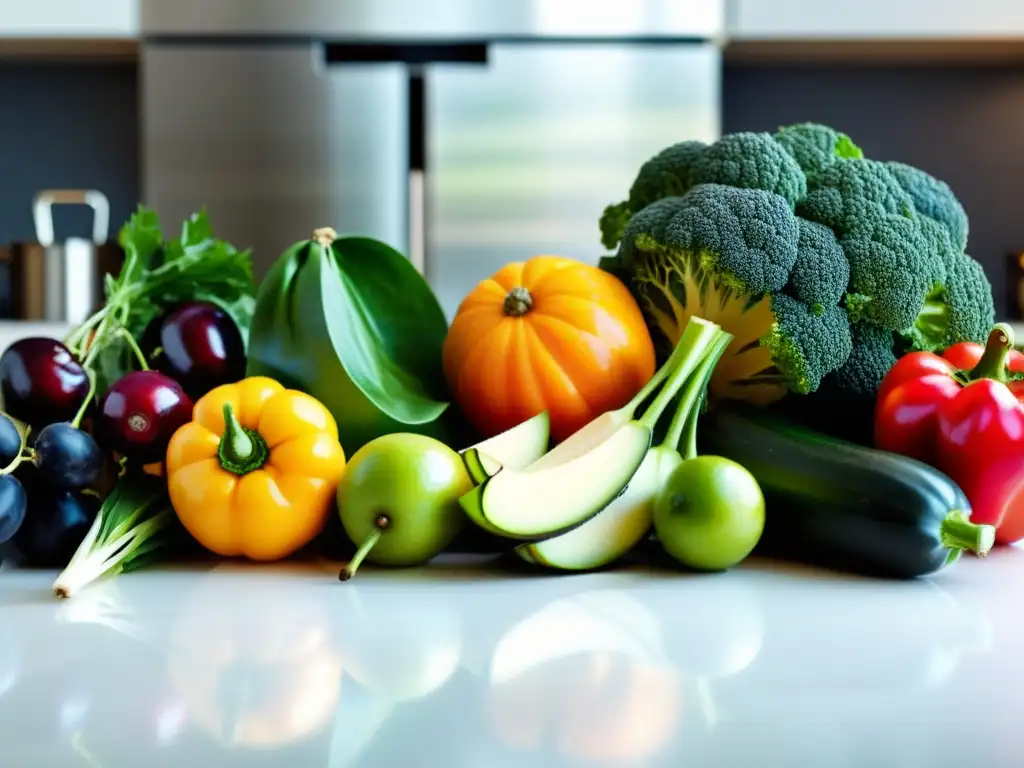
x=134, y=524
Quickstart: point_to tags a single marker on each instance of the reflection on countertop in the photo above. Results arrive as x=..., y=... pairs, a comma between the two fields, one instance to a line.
x=454, y=665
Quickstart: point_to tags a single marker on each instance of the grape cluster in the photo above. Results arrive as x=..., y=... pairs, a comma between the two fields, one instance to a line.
x=56, y=471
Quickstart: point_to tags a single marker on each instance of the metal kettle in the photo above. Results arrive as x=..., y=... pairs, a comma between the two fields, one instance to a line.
x=55, y=281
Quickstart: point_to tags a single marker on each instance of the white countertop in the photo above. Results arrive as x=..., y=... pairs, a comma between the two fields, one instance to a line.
x=454, y=665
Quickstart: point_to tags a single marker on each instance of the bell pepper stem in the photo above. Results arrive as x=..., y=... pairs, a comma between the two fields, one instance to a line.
x=241, y=450
x=959, y=533
x=380, y=525
x=992, y=364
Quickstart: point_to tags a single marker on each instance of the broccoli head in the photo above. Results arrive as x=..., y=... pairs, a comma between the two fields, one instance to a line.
x=825, y=266
x=821, y=272
x=815, y=146
x=667, y=174
x=726, y=253
x=893, y=273
x=850, y=193
x=750, y=161
x=934, y=199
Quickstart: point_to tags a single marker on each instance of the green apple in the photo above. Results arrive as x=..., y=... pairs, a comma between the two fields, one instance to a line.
x=399, y=500
x=710, y=514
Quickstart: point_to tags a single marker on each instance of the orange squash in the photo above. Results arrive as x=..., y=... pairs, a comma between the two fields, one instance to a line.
x=549, y=334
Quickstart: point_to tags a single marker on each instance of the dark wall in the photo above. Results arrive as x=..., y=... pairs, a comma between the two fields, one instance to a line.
x=66, y=126
x=963, y=125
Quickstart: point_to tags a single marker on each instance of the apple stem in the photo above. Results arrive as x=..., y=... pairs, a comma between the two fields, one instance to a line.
x=381, y=524
x=77, y=421
x=123, y=333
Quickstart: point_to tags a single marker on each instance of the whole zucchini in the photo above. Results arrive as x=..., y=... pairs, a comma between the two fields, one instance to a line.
x=843, y=506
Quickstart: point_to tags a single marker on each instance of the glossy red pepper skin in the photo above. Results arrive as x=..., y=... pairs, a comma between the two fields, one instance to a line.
x=981, y=448
x=967, y=423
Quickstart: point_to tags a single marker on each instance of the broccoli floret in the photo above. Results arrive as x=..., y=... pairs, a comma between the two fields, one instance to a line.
x=725, y=254
x=746, y=160
x=815, y=146
x=807, y=343
x=958, y=309
x=870, y=359
x=934, y=199
x=851, y=192
x=613, y=221
x=893, y=273
x=968, y=300
x=667, y=174
x=751, y=161
x=821, y=272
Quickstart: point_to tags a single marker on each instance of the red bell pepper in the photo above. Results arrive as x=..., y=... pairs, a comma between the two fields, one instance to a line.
x=967, y=423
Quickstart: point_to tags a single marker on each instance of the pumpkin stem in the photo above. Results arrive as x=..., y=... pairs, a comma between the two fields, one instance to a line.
x=518, y=302
x=324, y=236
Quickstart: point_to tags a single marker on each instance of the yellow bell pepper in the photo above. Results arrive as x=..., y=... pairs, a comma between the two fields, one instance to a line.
x=256, y=471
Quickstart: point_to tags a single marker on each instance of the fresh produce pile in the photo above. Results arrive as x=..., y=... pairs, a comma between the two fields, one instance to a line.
x=572, y=417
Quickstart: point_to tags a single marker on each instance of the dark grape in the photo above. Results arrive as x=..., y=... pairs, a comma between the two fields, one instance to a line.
x=13, y=504
x=55, y=525
x=68, y=457
x=41, y=381
x=199, y=346
x=140, y=413
x=10, y=441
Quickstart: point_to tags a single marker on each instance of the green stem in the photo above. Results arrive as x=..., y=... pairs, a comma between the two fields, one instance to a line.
x=123, y=333
x=680, y=418
x=241, y=450
x=659, y=376
x=992, y=364
x=693, y=344
x=381, y=524
x=77, y=421
x=958, y=533
x=77, y=338
x=97, y=342
x=696, y=393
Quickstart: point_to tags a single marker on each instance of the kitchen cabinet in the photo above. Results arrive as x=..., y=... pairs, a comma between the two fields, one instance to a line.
x=874, y=20
x=50, y=19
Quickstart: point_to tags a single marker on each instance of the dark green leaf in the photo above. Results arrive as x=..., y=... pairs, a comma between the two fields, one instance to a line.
x=359, y=329
x=387, y=327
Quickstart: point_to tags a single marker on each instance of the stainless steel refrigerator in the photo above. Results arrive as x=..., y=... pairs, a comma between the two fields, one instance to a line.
x=466, y=133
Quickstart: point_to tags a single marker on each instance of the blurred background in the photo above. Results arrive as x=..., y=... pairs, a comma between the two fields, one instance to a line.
x=468, y=133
